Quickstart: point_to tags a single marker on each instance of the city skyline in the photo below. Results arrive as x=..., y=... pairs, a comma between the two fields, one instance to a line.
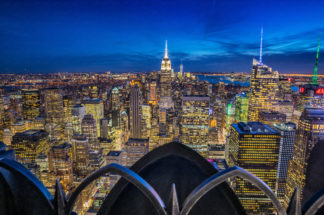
x=128, y=36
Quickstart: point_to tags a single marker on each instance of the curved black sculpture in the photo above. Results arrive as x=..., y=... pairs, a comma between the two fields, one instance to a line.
x=172, y=179
x=127, y=174
x=177, y=164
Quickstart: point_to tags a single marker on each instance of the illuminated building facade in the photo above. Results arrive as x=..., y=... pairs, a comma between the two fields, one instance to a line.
x=287, y=132
x=29, y=144
x=95, y=107
x=147, y=116
x=80, y=155
x=30, y=103
x=165, y=78
x=195, y=122
x=271, y=117
x=152, y=97
x=241, y=107
x=60, y=163
x=311, y=96
x=286, y=107
x=309, y=132
x=78, y=112
x=264, y=90
x=135, y=149
x=135, y=115
x=68, y=105
x=54, y=112
x=89, y=129
x=104, y=128
x=7, y=136
x=254, y=147
x=115, y=108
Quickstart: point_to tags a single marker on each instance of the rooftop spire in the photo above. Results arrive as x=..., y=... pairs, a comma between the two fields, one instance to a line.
x=260, y=59
x=316, y=64
x=166, y=50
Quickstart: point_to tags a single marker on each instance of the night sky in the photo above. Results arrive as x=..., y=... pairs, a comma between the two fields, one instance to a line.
x=129, y=36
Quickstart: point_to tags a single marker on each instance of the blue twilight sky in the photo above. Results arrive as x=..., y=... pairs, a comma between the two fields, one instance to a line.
x=41, y=36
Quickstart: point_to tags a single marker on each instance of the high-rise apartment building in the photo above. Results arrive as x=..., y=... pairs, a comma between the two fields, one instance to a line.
x=195, y=122
x=30, y=103
x=254, y=147
x=309, y=132
x=135, y=115
x=287, y=138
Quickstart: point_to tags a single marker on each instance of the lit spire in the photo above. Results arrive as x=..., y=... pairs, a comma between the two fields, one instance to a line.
x=316, y=64
x=166, y=50
x=260, y=60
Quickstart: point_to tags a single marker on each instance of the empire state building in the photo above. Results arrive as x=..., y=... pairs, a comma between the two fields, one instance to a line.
x=165, y=80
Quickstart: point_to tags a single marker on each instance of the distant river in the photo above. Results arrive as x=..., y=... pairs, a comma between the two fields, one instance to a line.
x=225, y=79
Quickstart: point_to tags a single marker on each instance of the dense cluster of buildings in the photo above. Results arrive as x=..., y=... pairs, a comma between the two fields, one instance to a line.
x=68, y=125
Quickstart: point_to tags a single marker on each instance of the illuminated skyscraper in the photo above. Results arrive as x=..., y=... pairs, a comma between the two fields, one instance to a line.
x=60, y=163
x=241, y=107
x=30, y=104
x=147, y=116
x=29, y=144
x=254, y=147
x=104, y=128
x=96, y=109
x=152, y=98
x=165, y=79
x=115, y=108
x=264, y=88
x=68, y=105
x=135, y=115
x=287, y=132
x=80, y=155
x=309, y=132
x=78, y=112
x=195, y=122
x=89, y=129
x=54, y=112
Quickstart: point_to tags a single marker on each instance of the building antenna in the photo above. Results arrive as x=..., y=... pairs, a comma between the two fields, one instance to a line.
x=315, y=77
x=260, y=60
x=166, y=49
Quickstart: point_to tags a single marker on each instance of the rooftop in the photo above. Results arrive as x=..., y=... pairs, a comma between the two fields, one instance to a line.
x=114, y=153
x=254, y=128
